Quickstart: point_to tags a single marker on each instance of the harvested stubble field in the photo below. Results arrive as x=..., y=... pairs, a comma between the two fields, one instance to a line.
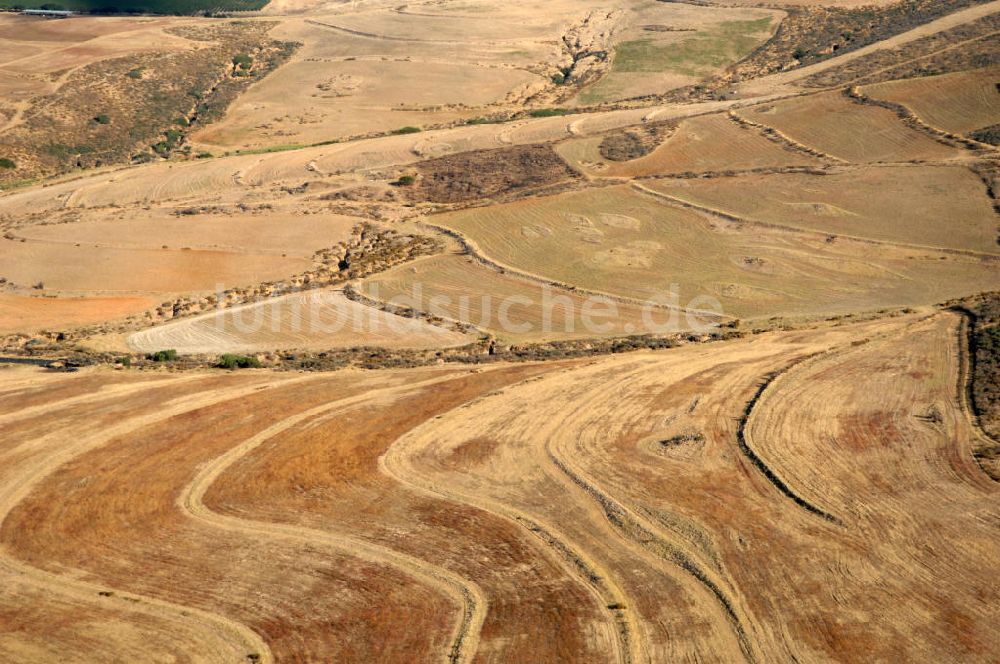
x=844, y=129
x=958, y=103
x=453, y=452
x=710, y=143
x=511, y=307
x=629, y=242
x=899, y=204
x=310, y=320
x=518, y=512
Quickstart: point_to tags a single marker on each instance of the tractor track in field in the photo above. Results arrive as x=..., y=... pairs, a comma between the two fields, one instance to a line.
x=464, y=592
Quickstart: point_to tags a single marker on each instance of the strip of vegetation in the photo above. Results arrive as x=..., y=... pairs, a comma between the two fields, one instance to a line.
x=548, y=112
x=811, y=34
x=935, y=54
x=990, y=135
x=982, y=386
x=985, y=361
x=771, y=476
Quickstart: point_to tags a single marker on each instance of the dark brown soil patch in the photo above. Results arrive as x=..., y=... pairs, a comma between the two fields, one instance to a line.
x=634, y=142
x=482, y=174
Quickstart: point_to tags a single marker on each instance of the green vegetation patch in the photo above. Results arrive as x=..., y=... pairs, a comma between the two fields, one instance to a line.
x=696, y=56
x=229, y=361
x=548, y=112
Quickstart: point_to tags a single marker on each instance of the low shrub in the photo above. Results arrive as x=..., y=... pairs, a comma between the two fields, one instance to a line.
x=163, y=355
x=230, y=361
x=243, y=61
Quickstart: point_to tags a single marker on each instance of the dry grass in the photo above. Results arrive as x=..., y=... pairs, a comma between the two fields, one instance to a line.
x=620, y=241
x=894, y=204
x=835, y=125
x=444, y=282
x=709, y=143
x=311, y=320
x=959, y=103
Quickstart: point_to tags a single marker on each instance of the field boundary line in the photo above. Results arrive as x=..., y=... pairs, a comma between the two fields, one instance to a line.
x=13, y=494
x=916, y=123
x=966, y=377
x=727, y=216
x=396, y=464
x=637, y=529
x=744, y=439
x=469, y=248
x=784, y=140
x=463, y=591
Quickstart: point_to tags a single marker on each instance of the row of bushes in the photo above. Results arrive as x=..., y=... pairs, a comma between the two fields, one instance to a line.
x=226, y=361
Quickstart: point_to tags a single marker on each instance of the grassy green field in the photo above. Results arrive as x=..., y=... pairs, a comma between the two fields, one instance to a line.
x=696, y=57
x=178, y=7
x=724, y=43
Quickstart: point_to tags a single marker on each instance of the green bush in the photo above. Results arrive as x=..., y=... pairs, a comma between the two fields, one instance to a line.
x=102, y=118
x=163, y=356
x=559, y=78
x=135, y=73
x=230, y=361
x=243, y=61
x=547, y=112
x=406, y=180
x=7, y=163
x=493, y=120
x=407, y=130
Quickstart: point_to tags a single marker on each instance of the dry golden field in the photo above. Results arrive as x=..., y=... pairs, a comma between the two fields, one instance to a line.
x=470, y=331
x=959, y=102
x=703, y=144
x=516, y=512
x=844, y=129
x=899, y=204
x=630, y=242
